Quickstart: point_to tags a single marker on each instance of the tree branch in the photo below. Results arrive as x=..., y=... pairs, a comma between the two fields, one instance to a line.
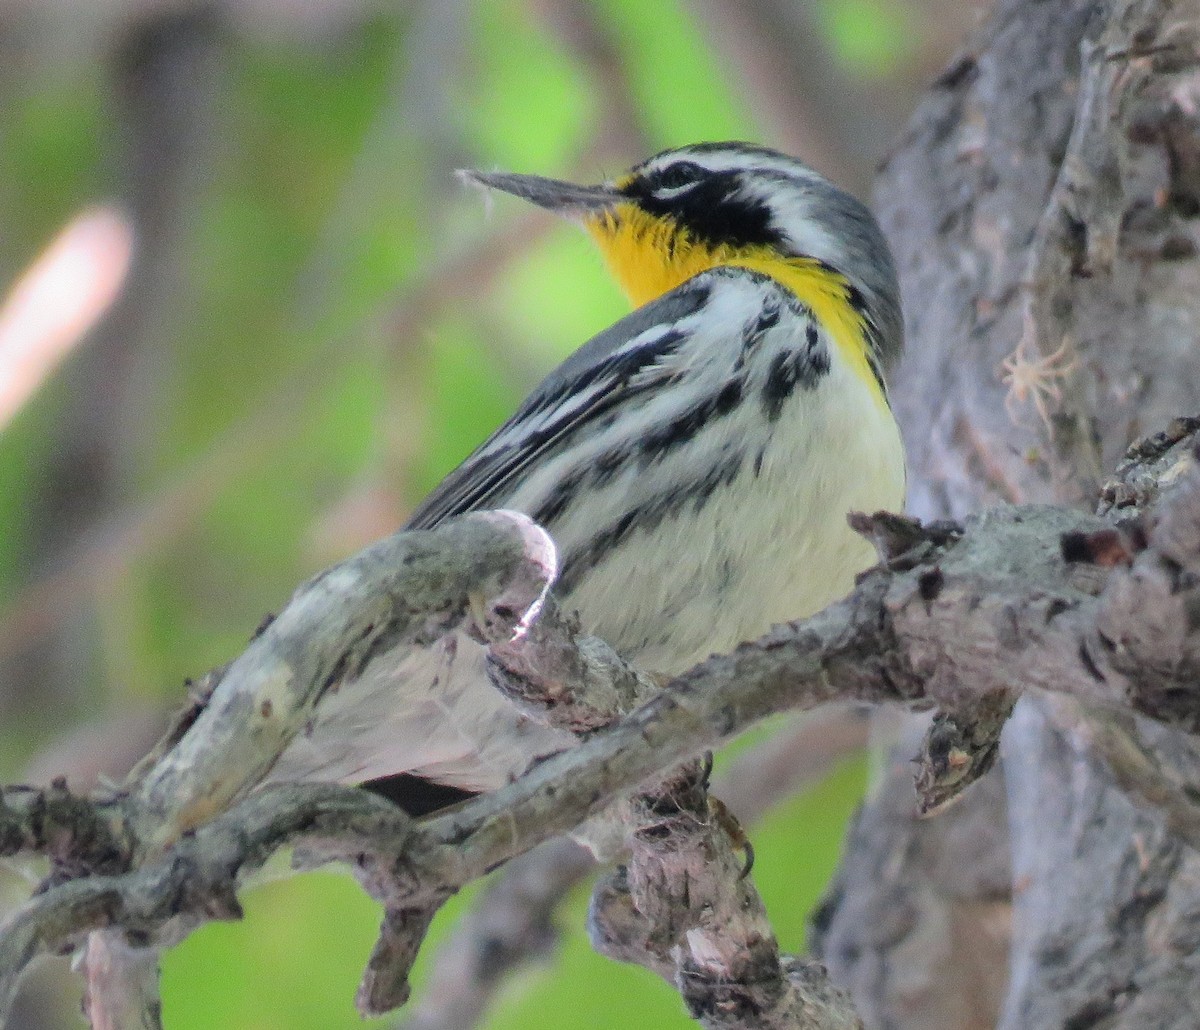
x=1022, y=598
x=510, y=925
x=404, y=592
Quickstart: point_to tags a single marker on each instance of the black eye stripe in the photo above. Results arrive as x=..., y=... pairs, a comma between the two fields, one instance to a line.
x=681, y=173
x=713, y=208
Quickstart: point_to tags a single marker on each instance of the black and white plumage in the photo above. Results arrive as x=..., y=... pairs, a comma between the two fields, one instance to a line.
x=694, y=464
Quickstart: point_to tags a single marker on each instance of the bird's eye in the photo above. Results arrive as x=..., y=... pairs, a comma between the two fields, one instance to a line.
x=678, y=175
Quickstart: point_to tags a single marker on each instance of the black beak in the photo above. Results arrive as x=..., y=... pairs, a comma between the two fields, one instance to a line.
x=563, y=198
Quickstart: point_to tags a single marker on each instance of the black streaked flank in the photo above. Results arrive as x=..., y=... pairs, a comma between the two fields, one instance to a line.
x=874, y=344
x=652, y=448
x=729, y=397
x=606, y=465
x=560, y=497
x=873, y=363
x=781, y=380
x=646, y=516
x=767, y=319
x=657, y=444
x=790, y=369
x=855, y=298
x=600, y=471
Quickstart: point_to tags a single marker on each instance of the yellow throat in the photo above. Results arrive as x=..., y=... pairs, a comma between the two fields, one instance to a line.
x=650, y=255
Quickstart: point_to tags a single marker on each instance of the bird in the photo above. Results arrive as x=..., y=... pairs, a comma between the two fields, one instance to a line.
x=694, y=463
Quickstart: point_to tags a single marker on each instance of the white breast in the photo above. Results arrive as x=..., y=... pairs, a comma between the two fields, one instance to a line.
x=772, y=546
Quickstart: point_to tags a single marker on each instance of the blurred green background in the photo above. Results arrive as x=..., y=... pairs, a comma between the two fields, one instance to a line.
x=316, y=325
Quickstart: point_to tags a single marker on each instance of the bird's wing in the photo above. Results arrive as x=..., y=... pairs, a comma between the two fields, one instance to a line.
x=621, y=362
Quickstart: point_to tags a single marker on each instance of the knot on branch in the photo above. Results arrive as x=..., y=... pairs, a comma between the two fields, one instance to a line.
x=959, y=748
x=1150, y=465
x=1105, y=548
x=1146, y=629
x=80, y=835
x=755, y=990
x=901, y=541
x=561, y=677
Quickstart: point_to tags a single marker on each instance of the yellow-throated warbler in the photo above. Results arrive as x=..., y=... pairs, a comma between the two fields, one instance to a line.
x=694, y=463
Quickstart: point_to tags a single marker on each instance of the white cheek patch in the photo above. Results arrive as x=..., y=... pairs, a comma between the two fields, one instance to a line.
x=795, y=213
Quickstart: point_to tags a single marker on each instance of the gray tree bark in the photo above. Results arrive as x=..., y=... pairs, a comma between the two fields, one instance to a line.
x=1043, y=207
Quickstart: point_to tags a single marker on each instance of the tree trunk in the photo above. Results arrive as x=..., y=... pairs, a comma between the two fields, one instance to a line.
x=1043, y=207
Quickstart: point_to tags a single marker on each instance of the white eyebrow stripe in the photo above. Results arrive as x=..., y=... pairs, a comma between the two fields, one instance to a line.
x=736, y=160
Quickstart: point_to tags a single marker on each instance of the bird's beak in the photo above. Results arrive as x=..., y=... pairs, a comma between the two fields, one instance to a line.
x=563, y=198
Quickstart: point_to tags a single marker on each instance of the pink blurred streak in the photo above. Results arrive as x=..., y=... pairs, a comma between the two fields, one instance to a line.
x=51, y=307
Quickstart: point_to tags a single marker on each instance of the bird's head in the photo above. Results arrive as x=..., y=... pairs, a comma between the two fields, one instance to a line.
x=696, y=207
